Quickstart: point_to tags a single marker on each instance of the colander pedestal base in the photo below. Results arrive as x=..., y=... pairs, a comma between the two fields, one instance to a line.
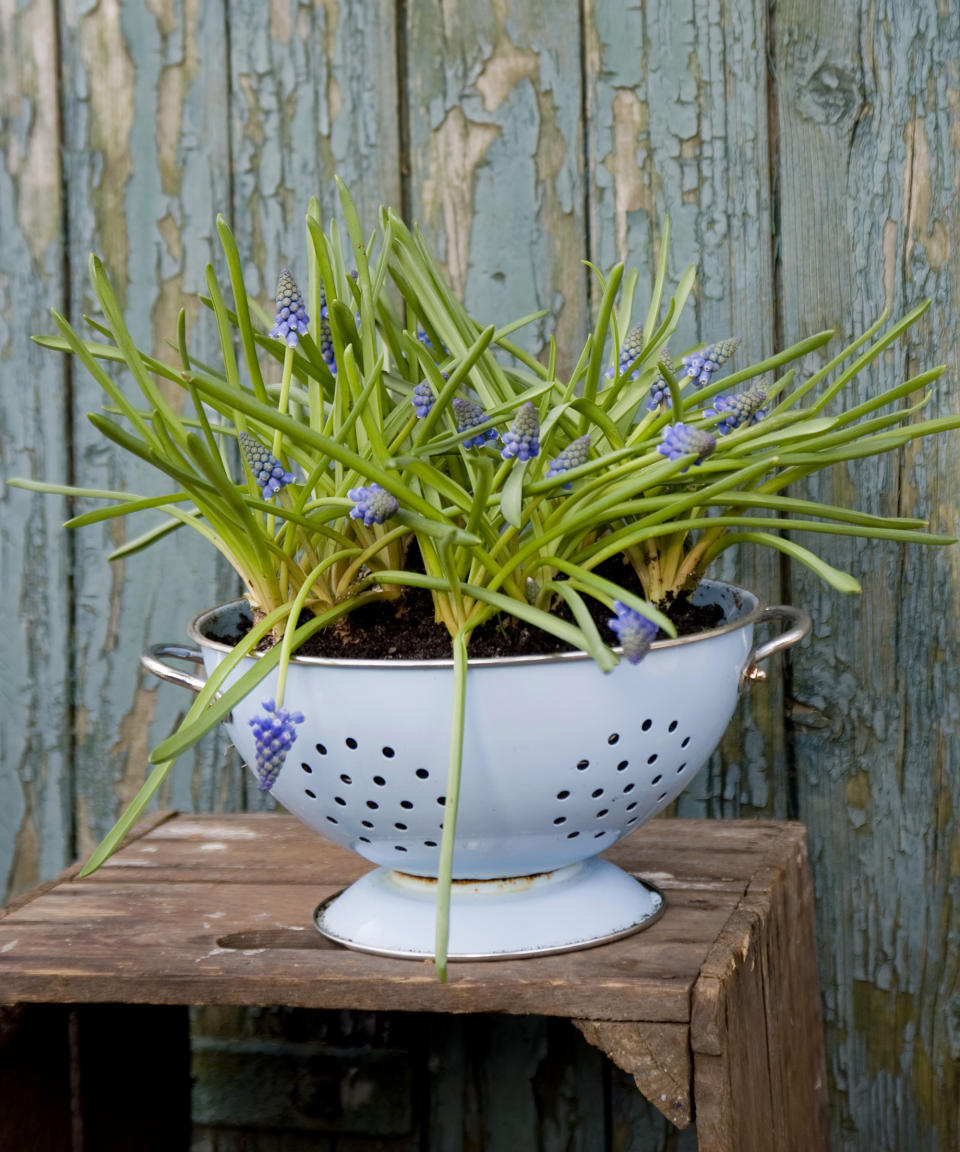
x=393, y=914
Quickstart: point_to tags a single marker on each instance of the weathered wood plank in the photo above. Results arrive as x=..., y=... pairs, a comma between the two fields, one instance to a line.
x=869, y=113
x=145, y=161
x=658, y=1058
x=678, y=126
x=35, y=802
x=495, y=159
x=315, y=95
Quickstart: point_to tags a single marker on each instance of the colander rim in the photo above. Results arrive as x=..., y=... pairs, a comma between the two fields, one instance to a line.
x=195, y=633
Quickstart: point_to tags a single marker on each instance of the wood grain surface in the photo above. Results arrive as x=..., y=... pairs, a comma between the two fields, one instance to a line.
x=807, y=154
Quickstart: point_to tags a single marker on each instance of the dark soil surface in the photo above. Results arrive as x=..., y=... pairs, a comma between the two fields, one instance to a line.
x=405, y=628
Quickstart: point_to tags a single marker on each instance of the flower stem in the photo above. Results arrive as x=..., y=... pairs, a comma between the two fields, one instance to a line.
x=445, y=866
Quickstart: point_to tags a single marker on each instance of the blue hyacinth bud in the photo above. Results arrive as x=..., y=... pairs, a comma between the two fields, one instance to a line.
x=659, y=389
x=468, y=415
x=739, y=409
x=269, y=473
x=274, y=734
x=680, y=440
x=523, y=438
x=635, y=632
x=630, y=349
x=291, y=321
x=575, y=454
x=702, y=364
x=326, y=336
x=423, y=399
x=374, y=504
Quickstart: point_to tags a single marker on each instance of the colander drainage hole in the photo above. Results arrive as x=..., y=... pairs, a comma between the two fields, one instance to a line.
x=340, y=800
x=563, y=795
x=672, y=726
x=367, y=823
x=401, y=827
x=379, y=781
x=613, y=737
x=623, y=765
x=346, y=779
x=628, y=787
x=373, y=805
x=406, y=804
x=441, y=800
x=652, y=759
x=655, y=780
x=429, y=843
x=399, y=848
x=422, y=773
x=312, y=795
x=685, y=741
x=583, y=765
x=602, y=812
x=596, y=792
x=572, y=835
x=560, y=820
x=306, y=767
x=597, y=835
x=681, y=768
x=333, y=820
x=633, y=819
x=350, y=742
x=646, y=725
x=364, y=839
x=388, y=752
x=630, y=807
x=321, y=750
x=662, y=796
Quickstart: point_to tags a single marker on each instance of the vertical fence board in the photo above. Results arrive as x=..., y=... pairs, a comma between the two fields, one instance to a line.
x=145, y=159
x=869, y=118
x=315, y=95
x=676, y=97
x=496, y=144
x=35, y=804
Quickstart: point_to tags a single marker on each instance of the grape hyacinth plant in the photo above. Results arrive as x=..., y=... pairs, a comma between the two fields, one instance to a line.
x=362, y=474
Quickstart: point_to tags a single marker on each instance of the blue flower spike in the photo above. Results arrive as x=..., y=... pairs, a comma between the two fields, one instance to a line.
x=468, y=415
x=680, y=440
x=575, y=454
x=423, y=399
x=702, y=364
x=635, y=632
x=523, y=438
x=326, y=336
x=374, y=504
x=738, y=409
x=291, y=321
x=630, y=349
x=269, y=473
x=659, y=389
x=274, y=733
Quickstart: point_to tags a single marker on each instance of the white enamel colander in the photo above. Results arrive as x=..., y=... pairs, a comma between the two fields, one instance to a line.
x=560, y=761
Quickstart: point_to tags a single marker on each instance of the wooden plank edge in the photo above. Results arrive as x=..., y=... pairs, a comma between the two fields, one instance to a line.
x=657, y=1055
x=139, y=830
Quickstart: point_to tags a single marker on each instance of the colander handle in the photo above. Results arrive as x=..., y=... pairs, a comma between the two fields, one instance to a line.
x=152, y=660
x=801, y=624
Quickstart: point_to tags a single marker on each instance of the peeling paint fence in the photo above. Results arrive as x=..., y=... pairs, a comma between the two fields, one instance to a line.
x=808, y=154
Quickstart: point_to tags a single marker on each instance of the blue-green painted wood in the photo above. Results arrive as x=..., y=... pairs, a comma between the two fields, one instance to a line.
x=869, y=114
x=677, y=127
x=145, y=159
x=496, y=159
x=35, y=799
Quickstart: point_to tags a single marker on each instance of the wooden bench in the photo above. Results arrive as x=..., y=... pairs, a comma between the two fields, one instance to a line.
x=714, y=1009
